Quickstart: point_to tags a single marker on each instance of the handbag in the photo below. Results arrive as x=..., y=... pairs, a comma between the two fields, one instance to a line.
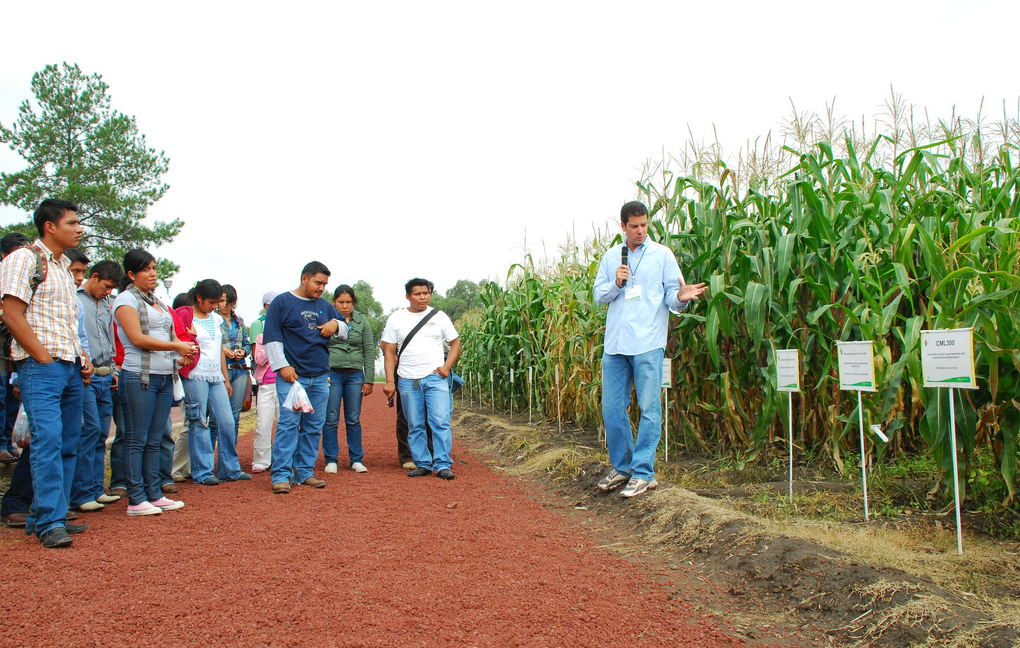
x=247, y=396
x=178, y=389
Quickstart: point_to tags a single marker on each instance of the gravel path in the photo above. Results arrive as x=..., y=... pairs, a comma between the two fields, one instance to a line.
x=375, y=559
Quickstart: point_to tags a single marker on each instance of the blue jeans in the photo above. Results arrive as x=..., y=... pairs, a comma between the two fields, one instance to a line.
x=619, y=372
x=296, y=446
x=117, y=479
x=201, y=396
x=428, y=397
x=52, y=396
x=345, y=388
x=146, y=412
x=166, y=452
x=238, y=383
x=97, y=410
x=18, y=498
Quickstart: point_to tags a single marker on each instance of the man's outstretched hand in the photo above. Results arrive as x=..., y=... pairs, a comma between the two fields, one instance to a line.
x=690, y=292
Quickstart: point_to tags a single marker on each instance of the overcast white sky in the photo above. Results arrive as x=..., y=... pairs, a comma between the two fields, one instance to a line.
x=399, y=139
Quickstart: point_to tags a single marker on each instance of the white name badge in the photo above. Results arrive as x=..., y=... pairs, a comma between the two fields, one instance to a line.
x=633, y=293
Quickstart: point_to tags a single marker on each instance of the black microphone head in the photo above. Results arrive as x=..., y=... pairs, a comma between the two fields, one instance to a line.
x=623, y=256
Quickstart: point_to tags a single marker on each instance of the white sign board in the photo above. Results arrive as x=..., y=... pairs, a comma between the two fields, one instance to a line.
x=667, y=373
x=788, y=369
x=947, y=358
x=856, y=366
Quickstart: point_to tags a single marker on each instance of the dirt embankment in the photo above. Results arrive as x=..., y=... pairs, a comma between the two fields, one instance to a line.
x=767, y=585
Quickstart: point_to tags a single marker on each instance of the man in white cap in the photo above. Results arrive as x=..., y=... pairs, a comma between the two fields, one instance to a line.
x=267, y=406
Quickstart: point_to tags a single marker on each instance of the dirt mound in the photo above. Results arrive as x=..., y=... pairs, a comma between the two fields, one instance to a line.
x=783, y=584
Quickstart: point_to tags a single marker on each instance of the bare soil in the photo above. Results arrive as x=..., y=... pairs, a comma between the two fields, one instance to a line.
x=374, y=559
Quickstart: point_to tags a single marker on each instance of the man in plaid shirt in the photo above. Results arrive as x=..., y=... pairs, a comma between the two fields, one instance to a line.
x=41, y=311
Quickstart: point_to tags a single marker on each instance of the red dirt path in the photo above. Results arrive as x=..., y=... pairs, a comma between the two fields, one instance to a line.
x=375, y=559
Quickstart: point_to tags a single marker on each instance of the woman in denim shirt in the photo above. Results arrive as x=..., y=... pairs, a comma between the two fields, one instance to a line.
x=237, y=347
x=351, y=376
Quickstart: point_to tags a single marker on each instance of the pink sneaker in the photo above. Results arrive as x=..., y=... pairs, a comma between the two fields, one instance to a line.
x=144, y=508
x=256, y=470
x=167, y=504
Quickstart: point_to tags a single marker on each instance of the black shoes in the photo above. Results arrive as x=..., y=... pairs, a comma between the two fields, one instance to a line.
x=446, y=474
x=56, y=538
x=73, y=529
x=419, y=472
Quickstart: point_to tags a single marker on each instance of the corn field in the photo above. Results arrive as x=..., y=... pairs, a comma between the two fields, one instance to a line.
x=873, y=239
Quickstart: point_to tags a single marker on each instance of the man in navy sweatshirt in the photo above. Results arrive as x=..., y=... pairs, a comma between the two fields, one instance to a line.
x=298, y=326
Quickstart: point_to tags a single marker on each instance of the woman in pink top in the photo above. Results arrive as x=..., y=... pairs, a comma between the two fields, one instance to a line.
x=266, y=409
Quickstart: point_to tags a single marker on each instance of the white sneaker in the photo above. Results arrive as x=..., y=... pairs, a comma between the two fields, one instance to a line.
x=167, y=504
x=108, y=499
x=331, y=468
x=637, y=486
x=358, y=467
x=613, y=480
x=90, y=506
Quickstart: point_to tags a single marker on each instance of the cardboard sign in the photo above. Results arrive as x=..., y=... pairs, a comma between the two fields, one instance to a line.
x=667, y=373
x=947, y=358
x=788, y=369
x=856, y=366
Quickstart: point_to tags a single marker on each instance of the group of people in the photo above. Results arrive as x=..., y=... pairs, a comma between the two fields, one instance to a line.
x=80, y=357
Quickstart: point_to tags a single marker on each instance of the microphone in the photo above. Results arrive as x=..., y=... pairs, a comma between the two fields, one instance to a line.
x=623, y=259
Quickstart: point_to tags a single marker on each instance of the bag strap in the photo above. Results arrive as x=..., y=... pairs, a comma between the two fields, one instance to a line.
x=416, y=328
x=42, y=269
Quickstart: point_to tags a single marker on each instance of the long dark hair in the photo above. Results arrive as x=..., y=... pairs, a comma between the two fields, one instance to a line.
x=205, y=289
x=135, y=261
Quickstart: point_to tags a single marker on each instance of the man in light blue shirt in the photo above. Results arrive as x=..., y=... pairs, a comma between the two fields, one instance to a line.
x=641, y=281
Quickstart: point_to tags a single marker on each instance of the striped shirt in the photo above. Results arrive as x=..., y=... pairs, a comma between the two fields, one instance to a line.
x=52, y=312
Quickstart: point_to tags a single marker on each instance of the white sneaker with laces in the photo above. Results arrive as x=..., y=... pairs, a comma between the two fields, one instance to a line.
x=358, y=467
x=637, y=486
x=331, y=468
x=613, y=480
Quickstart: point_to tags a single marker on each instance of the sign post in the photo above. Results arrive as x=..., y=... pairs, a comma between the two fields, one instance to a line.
x=857, y=373
x=492, y=391
x=559, y=420
x=511, y=392
x=947, y=361
x=529, y=394
x=788, y=380
x=667, y=382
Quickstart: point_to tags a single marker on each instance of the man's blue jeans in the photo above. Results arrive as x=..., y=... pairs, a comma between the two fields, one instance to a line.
x=296, y=446
x=428, y=397
x=344, y=388
x=146, y=412
x=201, y=396
x=97, y=411
x=644, y=372
x=52, y=396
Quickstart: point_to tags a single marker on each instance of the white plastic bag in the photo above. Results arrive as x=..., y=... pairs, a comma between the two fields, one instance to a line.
x=21, y=435
x=297, y=399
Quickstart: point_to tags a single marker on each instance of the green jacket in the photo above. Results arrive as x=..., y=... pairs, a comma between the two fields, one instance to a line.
x=357, y=351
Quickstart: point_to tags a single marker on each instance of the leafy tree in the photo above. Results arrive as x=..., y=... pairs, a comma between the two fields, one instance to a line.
x=463, y=297
x=371, y=308
x=79, y=149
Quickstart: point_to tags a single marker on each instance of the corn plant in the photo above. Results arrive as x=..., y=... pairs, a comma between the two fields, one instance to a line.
x=873, y=240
